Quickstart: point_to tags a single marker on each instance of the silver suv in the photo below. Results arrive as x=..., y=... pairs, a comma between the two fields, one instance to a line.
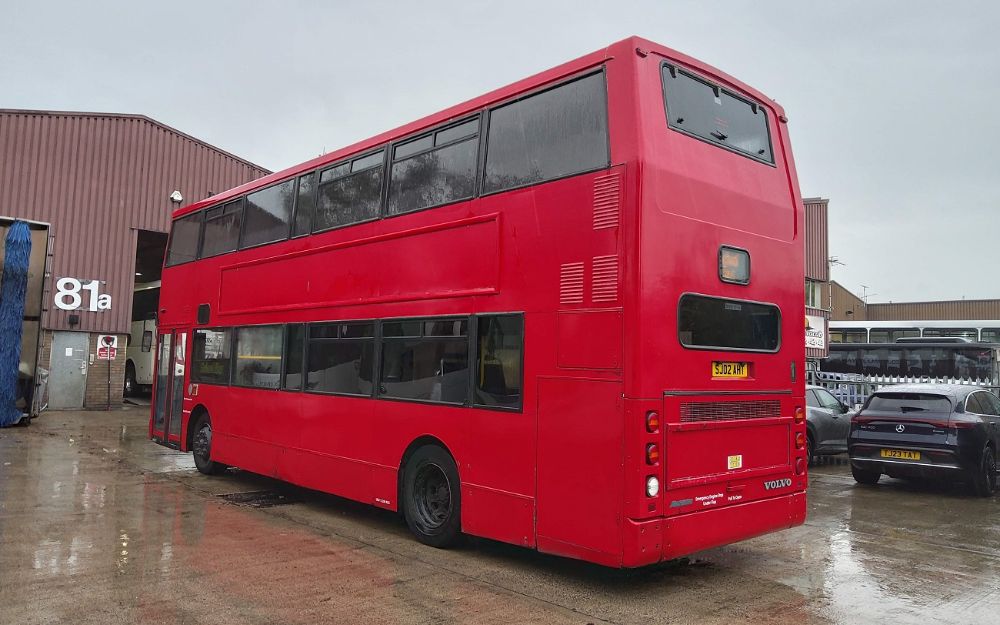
x=828, y=421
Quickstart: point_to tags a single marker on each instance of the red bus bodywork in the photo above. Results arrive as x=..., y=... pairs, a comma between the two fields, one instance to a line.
x=596, y=263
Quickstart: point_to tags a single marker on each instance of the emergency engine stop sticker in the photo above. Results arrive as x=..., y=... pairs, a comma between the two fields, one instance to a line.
x=736, y=462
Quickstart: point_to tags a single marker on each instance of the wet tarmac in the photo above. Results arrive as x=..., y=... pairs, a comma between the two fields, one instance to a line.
x=99, y=525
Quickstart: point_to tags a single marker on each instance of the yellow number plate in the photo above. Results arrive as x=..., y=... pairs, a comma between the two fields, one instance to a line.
x=729, y=369
x=901, y=454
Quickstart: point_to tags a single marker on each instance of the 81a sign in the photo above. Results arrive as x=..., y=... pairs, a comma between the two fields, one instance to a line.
x=69, y=296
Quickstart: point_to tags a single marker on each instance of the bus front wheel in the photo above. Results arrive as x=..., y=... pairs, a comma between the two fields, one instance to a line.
x=432, y=497
x=201, y=446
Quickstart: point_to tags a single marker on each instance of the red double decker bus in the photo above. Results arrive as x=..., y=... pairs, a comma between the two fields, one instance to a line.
x=567, y=314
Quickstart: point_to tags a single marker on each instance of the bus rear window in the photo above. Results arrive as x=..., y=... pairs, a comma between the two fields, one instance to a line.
x=714, y=323
x=711, y=113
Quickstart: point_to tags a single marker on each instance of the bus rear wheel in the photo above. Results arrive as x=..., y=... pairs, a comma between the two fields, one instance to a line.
x=431, y=497
x=201, y=446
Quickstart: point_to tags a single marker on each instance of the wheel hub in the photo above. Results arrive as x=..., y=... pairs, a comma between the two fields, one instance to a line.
x=432, y=494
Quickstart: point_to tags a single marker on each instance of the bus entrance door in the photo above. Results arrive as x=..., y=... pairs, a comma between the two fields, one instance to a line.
x=168, y=393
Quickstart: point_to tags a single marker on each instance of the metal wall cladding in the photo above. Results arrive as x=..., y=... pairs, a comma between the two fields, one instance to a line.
x=98, y=178
x=943, y=310
x=817, y=235
x=971, y=309
x=843, y=301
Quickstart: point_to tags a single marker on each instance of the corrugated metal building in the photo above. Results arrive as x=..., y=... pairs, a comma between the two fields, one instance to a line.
x=849, y=307
x=101, y=181
x=817, y=277
x=943, y=310
x=844, y=305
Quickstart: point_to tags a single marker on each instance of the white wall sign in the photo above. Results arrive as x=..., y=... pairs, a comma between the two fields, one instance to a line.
x=68, y=295
x=815, y=332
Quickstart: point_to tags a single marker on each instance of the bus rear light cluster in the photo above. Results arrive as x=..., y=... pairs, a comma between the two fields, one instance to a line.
x=652, y=422
x=652, y=486
x=800, y=466
x=800, y=414
x=652, y=453
x=800, y=440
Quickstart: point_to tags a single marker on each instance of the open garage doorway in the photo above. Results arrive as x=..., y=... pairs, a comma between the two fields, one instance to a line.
x=149, y=250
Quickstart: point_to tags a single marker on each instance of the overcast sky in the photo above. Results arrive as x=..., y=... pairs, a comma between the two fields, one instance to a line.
x=893, y=106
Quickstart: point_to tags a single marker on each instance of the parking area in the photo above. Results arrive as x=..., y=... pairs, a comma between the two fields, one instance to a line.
x=99, y=525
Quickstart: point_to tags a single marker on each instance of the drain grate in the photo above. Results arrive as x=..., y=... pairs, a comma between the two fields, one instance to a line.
x=259, y=498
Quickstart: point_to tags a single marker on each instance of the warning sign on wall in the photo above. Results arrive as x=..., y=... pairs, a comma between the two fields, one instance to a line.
x=107, y=346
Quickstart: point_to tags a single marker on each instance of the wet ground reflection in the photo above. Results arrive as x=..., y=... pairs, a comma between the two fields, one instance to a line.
x=99, y=525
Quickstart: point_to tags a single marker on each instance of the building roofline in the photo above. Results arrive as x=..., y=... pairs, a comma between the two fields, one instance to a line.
x=938, y=301
x=43, y=112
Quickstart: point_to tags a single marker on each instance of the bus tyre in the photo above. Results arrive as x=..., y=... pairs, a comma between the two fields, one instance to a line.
x=864, y=476
x=984, y=481
x=201, y=446
x=130, y=383
x=431, y=497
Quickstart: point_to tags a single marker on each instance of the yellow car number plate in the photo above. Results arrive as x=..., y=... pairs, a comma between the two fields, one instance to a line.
x=901, y=454
x=729, y=369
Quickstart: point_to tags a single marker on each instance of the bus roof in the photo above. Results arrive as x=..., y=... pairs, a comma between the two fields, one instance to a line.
x=630, y=45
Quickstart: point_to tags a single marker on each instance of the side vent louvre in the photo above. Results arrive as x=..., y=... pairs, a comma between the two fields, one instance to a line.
x=605, y=279
x=607, y=201
x=571, y=283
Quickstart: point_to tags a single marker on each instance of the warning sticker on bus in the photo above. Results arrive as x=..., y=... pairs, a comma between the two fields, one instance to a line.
x=729, y=369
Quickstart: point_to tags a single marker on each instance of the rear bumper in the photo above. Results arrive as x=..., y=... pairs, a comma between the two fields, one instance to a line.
x=656, y=540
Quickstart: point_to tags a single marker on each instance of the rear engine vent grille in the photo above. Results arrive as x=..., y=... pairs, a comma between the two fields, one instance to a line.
x=571, y=284
x=693, y=412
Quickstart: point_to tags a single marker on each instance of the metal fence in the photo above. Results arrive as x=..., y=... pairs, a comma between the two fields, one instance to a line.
x=853, y=388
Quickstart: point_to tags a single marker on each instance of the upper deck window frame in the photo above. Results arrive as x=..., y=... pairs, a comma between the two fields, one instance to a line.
x=482, y=114
x=552, y=86
x=237, y=205
x=675, y=68
x=243, y=245
x=436, y=144
x=198, y=215
x=349, y=162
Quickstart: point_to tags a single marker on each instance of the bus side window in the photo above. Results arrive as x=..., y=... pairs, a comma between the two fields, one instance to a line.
x=258, y=356
x=500, y=347
x=211, y=357
x=559, y=132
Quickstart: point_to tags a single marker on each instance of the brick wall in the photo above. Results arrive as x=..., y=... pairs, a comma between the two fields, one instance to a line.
x=96, y=393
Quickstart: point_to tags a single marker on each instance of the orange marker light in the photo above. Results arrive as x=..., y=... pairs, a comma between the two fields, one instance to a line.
x=652, y=453
x=652, y=421
x=800, y=414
